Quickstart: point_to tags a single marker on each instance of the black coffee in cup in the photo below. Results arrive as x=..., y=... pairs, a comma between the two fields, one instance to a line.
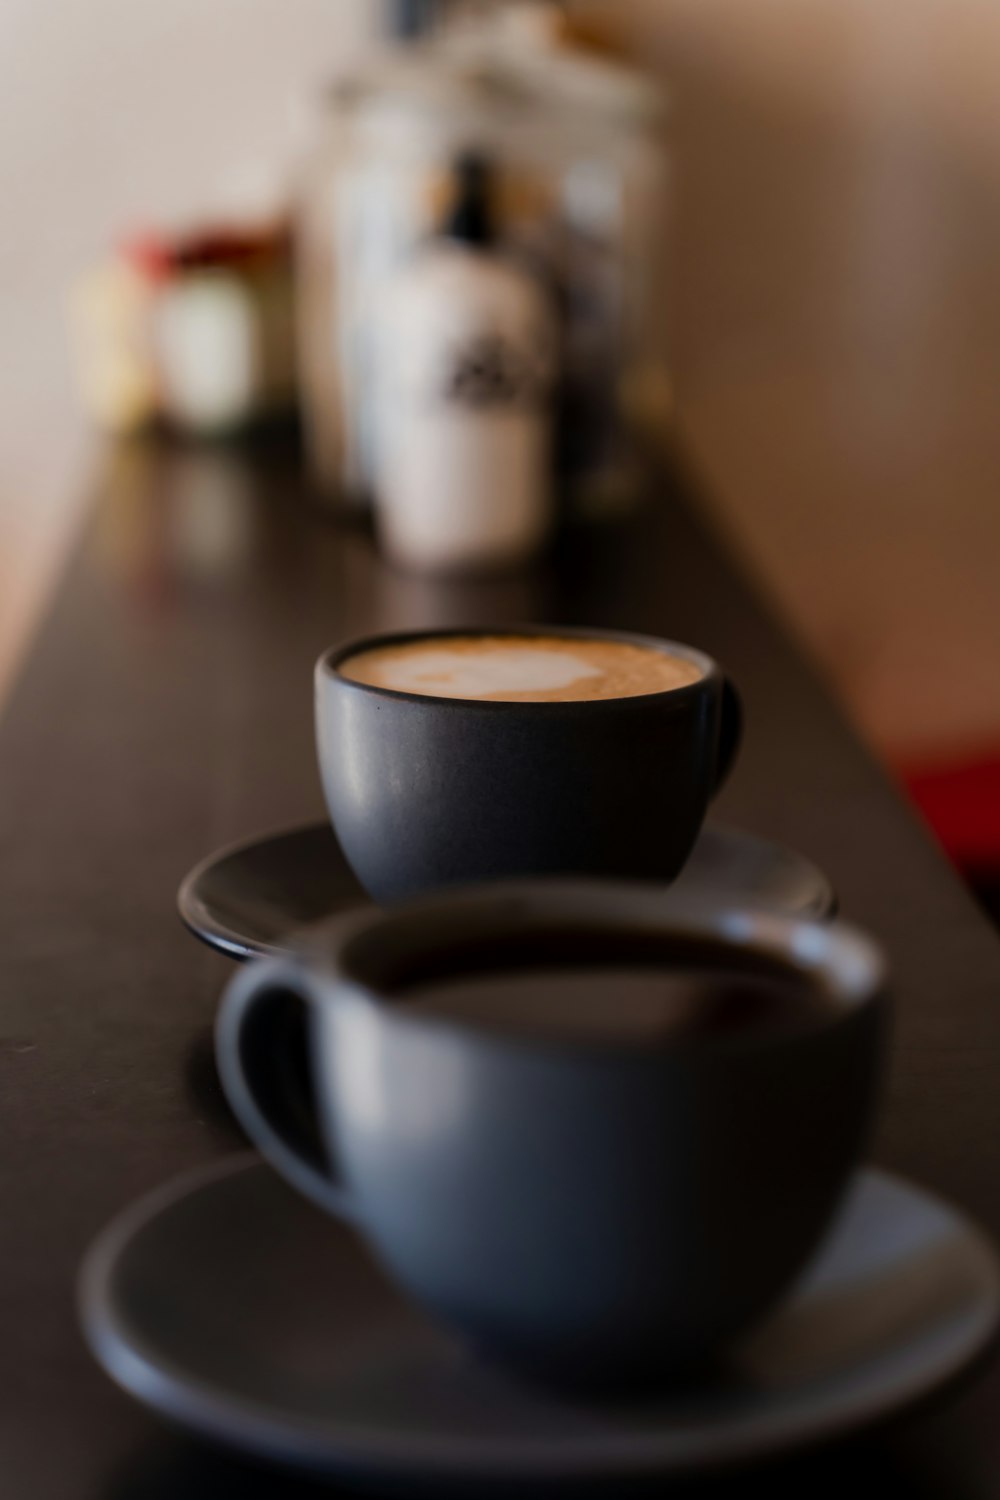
x=635, y=1006
x=628, y=993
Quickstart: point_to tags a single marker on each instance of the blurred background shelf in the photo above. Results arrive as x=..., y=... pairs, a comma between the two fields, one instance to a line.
x=836, y=287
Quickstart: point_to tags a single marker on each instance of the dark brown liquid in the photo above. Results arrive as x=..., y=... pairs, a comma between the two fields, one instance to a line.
x=631, y=1004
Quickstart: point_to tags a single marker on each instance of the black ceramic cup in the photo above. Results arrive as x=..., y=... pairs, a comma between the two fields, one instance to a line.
x=592, y=1212
x=426, y=791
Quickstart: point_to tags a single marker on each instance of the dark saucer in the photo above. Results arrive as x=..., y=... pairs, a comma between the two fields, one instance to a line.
x=231, y=1306
x=247, y=899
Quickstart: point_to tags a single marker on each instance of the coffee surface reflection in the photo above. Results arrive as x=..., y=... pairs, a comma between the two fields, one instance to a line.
x=624, y=1004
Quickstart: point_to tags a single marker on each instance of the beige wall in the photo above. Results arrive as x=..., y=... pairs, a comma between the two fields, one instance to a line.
x=837, y=269
x=839, y=330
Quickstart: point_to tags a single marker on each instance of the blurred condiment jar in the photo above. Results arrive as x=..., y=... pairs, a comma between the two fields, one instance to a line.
x=194, y=330
x=578, y=140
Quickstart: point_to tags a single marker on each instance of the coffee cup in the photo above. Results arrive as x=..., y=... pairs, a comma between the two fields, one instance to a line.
x=456, y=757
x=597, y=1137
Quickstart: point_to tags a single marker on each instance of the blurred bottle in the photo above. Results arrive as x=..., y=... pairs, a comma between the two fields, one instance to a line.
x=577, y=138
x=466, y=356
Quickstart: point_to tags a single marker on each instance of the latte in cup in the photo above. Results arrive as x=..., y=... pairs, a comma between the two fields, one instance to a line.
x=520, y=668
x=452, y=757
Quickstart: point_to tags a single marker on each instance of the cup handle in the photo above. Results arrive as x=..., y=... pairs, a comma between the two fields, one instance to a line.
x=730, y=732
x=262, y=1050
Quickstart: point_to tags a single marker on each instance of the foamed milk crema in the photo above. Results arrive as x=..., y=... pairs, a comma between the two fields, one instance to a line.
x=520, y=669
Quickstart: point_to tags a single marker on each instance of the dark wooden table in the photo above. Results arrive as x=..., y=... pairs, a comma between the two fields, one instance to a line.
x=166, y=709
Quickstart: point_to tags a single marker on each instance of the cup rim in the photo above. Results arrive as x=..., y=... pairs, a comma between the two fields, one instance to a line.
x=850, y=963
x=330, y=661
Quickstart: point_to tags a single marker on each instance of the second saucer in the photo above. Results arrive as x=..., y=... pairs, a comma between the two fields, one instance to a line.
x=339, y=1374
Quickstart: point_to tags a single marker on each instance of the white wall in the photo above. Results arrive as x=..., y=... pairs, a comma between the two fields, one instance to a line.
x=117, y=113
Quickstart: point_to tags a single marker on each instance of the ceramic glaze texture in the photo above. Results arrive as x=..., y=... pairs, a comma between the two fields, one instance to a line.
x=625, y=1217
x=600, y=1214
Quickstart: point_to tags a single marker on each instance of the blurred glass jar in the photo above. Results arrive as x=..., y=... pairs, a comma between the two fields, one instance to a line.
x=579, y=139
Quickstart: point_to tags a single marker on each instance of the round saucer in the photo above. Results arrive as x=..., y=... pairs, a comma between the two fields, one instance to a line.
x=247, y=899
x=230, y=1305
